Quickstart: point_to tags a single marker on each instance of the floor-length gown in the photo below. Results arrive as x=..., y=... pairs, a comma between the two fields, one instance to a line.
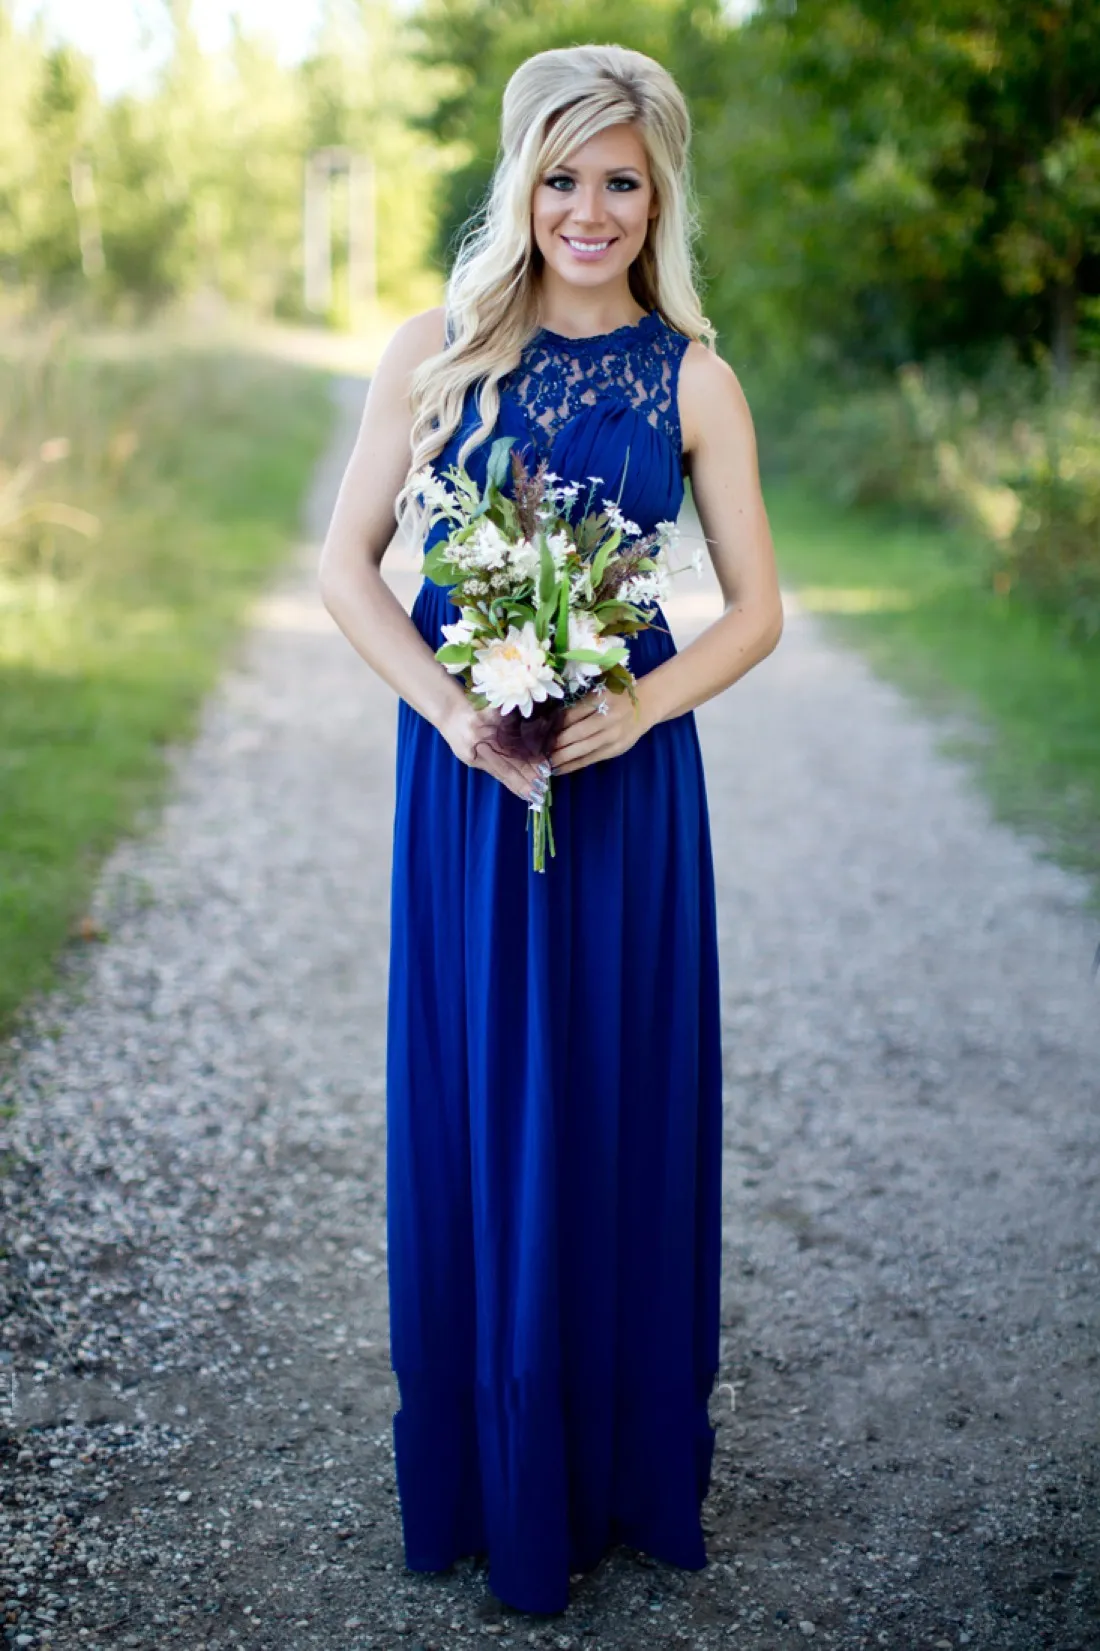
x=554, y=1083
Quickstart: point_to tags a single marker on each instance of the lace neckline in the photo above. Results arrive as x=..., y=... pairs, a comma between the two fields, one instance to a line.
x=599, y=340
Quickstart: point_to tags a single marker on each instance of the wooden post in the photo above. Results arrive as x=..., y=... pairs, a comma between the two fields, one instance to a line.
x=82, y=183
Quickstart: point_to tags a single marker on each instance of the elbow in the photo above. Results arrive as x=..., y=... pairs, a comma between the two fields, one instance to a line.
x=327, y=581
x=773, y=628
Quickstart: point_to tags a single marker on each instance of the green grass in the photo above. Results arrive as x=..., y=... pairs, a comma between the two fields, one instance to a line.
x=195, y=466
x=1022, y=703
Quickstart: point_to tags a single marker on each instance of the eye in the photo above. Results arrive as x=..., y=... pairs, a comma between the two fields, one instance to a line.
x=618, y=184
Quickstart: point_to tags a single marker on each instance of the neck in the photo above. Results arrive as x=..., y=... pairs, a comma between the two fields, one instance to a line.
x=578, y=312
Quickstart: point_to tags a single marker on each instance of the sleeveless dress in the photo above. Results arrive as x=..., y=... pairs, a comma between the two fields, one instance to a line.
x=554, y=1083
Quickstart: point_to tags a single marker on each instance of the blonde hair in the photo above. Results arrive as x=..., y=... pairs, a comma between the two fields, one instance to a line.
x=553, y=103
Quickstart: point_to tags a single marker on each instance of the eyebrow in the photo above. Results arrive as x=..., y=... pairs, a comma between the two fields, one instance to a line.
x=608, y=170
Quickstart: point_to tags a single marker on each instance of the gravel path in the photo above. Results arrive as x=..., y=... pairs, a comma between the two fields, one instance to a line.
x=195, y=1442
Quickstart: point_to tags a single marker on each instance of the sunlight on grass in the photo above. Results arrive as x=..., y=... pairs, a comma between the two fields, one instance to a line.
x=195, y=464
x=855, y=599
x=911, y=597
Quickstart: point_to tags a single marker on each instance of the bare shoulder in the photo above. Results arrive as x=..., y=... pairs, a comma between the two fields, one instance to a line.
x=711, y=398
x=417, y=338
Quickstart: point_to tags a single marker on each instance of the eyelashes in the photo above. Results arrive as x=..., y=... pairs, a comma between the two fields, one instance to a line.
x=561, y=177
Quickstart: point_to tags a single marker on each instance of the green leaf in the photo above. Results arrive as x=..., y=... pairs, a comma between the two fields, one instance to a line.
x=561, y=629
x=603, y=556
x=455, y=653
x=438, y=568
x=497, y=467
x=590, y=656
x=614, y=608
x=547, y=575
x=543, y=617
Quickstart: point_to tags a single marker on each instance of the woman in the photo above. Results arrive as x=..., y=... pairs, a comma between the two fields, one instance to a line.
x=554, y=1126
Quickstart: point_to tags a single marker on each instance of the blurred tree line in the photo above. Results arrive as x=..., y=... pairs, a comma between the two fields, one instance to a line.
x=199, y=183
x=881, y=180
x=900, y=204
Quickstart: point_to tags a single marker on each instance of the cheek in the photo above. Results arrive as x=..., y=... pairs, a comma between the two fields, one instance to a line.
x=544, y=215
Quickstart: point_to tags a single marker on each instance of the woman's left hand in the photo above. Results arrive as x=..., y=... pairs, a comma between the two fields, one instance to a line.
x=599, y=726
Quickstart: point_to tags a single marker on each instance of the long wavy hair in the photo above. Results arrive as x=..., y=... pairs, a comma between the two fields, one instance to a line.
x=553, y=103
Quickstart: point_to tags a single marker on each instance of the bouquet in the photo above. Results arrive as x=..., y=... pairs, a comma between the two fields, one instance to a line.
x=545, y=600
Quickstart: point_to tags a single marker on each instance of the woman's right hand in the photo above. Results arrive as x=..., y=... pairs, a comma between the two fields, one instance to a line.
x=473, y=736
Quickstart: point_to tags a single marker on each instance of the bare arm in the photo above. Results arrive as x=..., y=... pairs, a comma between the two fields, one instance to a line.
x=350, y=577
x=720, y=445
x=363, y=523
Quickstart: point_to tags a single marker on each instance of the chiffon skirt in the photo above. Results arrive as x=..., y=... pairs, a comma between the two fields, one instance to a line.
x=554, y=1138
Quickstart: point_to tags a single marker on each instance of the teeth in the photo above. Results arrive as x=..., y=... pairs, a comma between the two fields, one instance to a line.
x=588, y=246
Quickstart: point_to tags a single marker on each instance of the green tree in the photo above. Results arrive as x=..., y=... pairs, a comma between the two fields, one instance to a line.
x=892, y=180
x=62, y=114
x=474, y=45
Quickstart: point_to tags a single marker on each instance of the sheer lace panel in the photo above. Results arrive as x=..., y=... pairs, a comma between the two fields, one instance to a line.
x=636, y=365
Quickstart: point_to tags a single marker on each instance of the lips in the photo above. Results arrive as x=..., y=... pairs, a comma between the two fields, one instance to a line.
x=588, y=248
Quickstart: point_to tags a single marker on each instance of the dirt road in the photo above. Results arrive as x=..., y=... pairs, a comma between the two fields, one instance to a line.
x=196, y=1447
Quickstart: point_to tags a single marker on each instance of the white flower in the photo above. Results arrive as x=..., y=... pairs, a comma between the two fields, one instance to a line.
x=644, y=588
x=489, y=547
x=460, y=631
x=584, y=632
x=513, y=671
x=523, y=559
x=580, y=583
x=697, y=560
x=437, y=496
x=617, y=519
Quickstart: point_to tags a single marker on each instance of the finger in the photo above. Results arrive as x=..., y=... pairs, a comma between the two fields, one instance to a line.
x=587, y=730
x=494, y=762
x=579, y=711
x=520, y=778
x=588, y=706
x=583, y=750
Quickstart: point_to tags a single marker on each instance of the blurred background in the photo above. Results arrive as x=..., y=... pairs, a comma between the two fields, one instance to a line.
x=206, y=210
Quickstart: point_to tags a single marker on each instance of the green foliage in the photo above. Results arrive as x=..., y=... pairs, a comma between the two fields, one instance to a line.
x=198, y=184
x=1018, y=696
x=886, y=183
x=1012, y=456
x=474, y=45
x=191, y=468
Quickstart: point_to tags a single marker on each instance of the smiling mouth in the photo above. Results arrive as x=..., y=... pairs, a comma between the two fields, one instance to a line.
x=587, y=246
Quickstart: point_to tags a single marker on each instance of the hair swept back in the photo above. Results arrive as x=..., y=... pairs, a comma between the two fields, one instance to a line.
x=554, y=102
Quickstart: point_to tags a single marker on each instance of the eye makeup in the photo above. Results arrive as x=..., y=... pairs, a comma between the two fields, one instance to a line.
x=564, y=177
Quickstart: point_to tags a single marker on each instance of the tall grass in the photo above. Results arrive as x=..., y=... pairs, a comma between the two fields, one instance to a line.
x=143, y=501
x=1009, y=455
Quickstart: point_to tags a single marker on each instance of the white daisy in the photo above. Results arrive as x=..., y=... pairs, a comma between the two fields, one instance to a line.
x=513, y=671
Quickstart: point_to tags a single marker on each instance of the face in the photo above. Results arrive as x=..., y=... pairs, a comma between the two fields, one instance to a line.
x=590, y=214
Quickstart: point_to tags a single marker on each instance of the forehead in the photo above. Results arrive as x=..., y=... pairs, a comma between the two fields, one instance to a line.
x=615, y=146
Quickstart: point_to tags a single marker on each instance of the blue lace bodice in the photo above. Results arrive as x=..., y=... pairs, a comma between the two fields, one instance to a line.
x=636, y=365
x=605, y=406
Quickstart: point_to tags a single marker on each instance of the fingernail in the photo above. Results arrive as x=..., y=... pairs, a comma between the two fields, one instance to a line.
x=544, y=768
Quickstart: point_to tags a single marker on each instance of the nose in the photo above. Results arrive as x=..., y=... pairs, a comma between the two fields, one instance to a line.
x=587, y=205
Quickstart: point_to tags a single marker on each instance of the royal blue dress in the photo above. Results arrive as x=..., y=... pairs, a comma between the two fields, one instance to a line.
x=554, y=1084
